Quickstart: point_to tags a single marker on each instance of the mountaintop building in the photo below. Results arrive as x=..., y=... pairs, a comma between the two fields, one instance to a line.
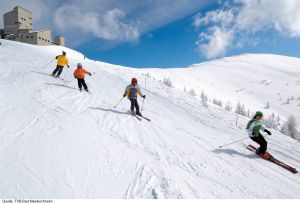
x=18, y=27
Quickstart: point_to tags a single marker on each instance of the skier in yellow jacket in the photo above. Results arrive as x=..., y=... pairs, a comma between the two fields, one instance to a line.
x=62, y=60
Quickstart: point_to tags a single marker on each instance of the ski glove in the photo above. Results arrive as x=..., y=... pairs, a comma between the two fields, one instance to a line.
x=124, y=95
x=90, y=74
x=144, y=96
x=268, y=132
x=68, y=66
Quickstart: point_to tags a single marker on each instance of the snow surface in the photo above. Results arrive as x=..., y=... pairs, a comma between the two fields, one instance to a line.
x=56, y=142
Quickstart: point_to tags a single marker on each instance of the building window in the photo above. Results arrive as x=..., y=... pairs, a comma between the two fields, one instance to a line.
x=31, y=36
x=40, y=38
x=27, y=36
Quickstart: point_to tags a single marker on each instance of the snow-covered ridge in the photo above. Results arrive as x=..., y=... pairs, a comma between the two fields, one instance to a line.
x=56, y=142
x=258, y=81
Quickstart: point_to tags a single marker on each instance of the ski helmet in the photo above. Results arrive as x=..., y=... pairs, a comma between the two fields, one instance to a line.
x=259, y=113
x=64, y=53
x=79, y=65
x=134, y=80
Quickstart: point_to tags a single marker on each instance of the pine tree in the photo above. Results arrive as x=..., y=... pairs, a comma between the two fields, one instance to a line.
x=228, y=106
x=192, y=92
x=204, y=99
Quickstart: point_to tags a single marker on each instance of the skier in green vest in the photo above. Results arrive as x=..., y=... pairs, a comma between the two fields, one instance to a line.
x=253, y=128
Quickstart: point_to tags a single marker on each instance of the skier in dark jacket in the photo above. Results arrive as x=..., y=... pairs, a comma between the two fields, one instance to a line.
x=253, y=128
x=132, y=91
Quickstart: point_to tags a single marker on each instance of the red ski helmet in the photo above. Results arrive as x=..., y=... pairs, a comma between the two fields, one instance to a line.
x=134, y=80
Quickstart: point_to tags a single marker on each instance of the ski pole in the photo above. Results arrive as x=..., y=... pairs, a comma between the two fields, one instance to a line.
x=143, y=104
x=69, y=82
x=144, y=98
x=118, y=102
x=48, y=64
x=233, y=142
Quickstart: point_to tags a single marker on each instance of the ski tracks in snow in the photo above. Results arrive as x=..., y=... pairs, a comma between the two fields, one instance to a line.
x=146, y=184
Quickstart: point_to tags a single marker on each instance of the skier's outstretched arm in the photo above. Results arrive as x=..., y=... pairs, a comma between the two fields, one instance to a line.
x=140, y=93
x=86, y=72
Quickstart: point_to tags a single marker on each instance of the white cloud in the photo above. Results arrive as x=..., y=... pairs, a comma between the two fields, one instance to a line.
x=246, y=18
x=108, y=26
x=218, y=41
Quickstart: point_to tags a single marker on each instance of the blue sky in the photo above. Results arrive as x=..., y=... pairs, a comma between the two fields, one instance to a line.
x=170, y=46
x=169, y=33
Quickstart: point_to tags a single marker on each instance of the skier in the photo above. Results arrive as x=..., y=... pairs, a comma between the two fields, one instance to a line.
x=253, y=128
x=131, y=92
x=79, y=74
x=62, y=60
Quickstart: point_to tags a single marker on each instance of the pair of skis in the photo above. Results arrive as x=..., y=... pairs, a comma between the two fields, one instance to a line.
x=274, y=160
x=140, y=117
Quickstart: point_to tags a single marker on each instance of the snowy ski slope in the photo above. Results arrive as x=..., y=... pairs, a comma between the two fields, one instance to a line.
x=56, y=142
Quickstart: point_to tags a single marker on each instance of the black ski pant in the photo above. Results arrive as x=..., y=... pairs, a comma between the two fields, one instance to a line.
x=81, y=82
x=58, y=69
x=134, y=104
x=262, y=142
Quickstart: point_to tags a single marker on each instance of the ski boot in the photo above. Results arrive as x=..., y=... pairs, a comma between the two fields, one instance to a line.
x=266, y=155
x=139, y=114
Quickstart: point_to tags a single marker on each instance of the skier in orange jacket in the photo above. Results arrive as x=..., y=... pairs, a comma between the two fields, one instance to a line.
x=79, y=74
